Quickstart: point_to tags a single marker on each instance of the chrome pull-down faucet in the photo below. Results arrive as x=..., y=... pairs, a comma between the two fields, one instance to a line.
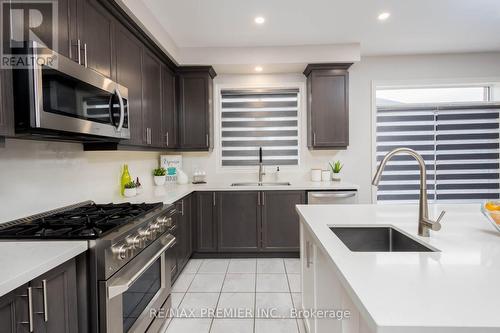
x=424, y=223
x=261, y=167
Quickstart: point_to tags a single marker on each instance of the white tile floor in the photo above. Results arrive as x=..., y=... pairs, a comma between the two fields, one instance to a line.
x=241, y=291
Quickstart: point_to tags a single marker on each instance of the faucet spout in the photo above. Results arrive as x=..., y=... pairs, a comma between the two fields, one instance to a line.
x=424, y=223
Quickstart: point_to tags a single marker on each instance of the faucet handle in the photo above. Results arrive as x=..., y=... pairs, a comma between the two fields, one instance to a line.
x=436, y=226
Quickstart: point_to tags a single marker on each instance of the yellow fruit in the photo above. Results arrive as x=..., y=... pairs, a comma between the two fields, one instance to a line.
x=491, y=206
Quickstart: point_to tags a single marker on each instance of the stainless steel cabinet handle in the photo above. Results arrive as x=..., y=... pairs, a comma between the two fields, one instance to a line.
x=167, y=139
x=207, y=141
x=314, y=138
x=45, y=307
x=85, y=53
x=263, y=198
x=258, y=198
x=308, y=254
x=182, y=207
x=333, y=195
x=79, y=46
x=213, y=198
x=30, y=309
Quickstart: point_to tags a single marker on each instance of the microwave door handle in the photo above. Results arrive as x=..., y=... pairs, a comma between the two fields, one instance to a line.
x=111, y=118
x=122, y=110
x=122, y=286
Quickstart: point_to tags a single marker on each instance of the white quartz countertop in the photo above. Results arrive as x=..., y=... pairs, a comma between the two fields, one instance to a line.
x=21, y=262
x=454, y=290
x=170, y=193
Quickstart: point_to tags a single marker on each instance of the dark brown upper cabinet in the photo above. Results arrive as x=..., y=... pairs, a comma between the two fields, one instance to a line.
x=151, y=100
x=195, y=107
x=169, y=113
x=328, y=106
x=129, y=74
x=95, y=33
x=280, y=221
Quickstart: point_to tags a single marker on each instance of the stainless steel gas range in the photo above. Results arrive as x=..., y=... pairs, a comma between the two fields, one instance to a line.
x=128, y=264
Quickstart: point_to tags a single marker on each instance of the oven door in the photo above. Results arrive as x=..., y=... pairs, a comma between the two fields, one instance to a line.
x=75, y=99
x=127, y=298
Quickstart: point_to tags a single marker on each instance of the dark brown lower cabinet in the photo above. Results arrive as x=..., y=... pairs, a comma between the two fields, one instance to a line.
x=238, y=217
x=184, y=232
x=14, y=311
x=206, y=228
x=54, y=303
x=280, y=221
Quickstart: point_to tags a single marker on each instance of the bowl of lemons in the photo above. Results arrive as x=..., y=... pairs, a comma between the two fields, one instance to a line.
x=491, y=209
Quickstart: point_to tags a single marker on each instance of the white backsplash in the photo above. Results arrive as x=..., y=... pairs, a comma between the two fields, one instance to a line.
x=37, y=176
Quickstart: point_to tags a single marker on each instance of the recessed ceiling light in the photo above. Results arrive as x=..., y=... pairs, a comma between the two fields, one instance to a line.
x=259, y=20
x=258, y=69
x=384, y=16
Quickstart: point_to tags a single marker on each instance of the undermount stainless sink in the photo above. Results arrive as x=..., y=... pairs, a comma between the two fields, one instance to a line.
x=377, y=239
x=262, y=184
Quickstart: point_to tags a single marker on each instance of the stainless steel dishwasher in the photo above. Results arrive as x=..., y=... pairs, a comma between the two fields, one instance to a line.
x=332, y=197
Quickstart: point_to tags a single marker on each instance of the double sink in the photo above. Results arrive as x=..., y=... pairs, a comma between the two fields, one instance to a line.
x=378, y=239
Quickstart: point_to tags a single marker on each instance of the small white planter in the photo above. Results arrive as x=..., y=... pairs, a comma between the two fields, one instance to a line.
x=159, y=180
x=336, y=177
x=130, y=192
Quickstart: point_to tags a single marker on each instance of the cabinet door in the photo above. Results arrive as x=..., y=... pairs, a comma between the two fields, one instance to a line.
x=95, y=30
x=14, y=311
x=169, y=114
x=128, y=73
x=280, y=221
x=206, y=227
x=194, y=111
x=151, y=99
x=6, y=105
x=57, y=290
x=328, y=109
x=238, y=216
x=184, y=232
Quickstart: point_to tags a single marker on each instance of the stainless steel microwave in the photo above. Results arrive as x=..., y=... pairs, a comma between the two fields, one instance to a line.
x=69, y=101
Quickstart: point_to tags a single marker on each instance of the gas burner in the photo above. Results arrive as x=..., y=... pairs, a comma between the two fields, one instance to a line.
x=90, y=221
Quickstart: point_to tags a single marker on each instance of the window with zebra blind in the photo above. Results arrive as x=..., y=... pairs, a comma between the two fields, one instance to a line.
x=458, y=139
x=266, y=118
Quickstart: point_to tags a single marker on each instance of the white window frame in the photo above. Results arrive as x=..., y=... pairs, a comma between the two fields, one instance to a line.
x=301, y=116
x=494, y=95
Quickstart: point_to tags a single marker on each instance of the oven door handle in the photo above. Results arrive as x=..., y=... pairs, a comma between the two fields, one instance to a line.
x=120, y=286
x=122, y=110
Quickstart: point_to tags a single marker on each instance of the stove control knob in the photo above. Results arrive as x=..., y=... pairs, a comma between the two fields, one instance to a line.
x=155, y=228
x=135, y=241
x=122, y=252
x=146, y=234
x=164, y=221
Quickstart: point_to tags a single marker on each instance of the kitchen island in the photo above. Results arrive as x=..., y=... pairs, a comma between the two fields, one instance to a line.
x=454, y=289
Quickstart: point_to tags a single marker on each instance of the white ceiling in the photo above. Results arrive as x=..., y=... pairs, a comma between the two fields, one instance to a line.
x=415, y=26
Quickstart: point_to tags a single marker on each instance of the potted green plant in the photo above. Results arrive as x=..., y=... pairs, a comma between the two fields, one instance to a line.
x=159, y=176
x=336, y=168
x=130, y=189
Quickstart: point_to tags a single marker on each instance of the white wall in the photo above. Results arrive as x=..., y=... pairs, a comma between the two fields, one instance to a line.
x=38, y=176
x=446, y=68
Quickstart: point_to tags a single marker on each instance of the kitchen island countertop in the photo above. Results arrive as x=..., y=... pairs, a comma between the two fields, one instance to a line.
x=453, y=290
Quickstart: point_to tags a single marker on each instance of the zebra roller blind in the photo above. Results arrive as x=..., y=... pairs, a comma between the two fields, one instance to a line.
x=460, y=145
x=266, y=118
